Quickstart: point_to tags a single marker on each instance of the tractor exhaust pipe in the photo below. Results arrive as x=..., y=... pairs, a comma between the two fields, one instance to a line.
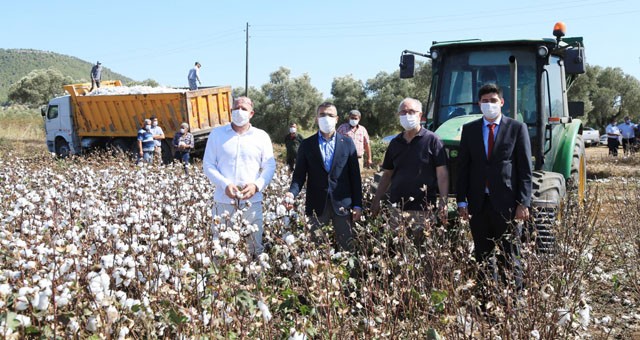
x=513, y=69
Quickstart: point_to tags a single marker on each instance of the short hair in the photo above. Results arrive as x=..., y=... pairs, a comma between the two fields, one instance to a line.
x=489, y=88
x=153, y=118
x=147, y=120
x=243, y=99
x=198, y=64
x=325, y=104
x=293, y=125
x=355, y=113
x=413, y=100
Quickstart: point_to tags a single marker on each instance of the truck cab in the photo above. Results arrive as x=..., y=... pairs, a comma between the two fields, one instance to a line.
x=58, y=124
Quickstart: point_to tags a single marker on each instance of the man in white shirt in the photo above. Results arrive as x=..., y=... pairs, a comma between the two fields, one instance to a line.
x=158, y=136
x=239, y=161
x=613, y=137
x=627, y=129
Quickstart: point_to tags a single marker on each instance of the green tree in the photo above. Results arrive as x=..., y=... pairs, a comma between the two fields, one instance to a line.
x=286, y=100
x=348, y=94
x=39, y=86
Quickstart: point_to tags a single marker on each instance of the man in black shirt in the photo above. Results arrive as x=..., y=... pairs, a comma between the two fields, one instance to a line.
x=414, y=164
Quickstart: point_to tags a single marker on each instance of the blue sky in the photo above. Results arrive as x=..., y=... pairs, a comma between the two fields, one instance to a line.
x=325, y=39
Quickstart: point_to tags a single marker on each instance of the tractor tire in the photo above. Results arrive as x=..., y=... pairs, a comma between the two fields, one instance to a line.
x=62, y=148
x=549, y=190
x=577, y=183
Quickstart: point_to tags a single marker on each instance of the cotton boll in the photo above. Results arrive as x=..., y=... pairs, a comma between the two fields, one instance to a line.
x=264, y=309
x=289, y=239
x=584, y=314
x=41, y=301
x=112, y=314
x=23, y=320
x=21, y=303
x=5, y=289
x=92, y=324
x=564, y=316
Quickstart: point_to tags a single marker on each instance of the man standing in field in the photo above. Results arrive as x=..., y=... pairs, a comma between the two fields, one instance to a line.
x=146, y=144
x=359, y=135
x=158, y=136
x=292, y=141
x=96, y=75
x=494, y=181
x=627, y=130
x=194, y=76
x=239, y=162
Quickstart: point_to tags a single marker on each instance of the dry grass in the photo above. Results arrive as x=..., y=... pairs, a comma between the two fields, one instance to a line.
x=21, y=124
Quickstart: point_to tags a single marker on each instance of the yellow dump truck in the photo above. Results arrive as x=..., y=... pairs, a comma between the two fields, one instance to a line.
x=81, y=121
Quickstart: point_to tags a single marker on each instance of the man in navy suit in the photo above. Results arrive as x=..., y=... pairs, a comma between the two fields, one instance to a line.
x=494, y=183
x=328, y=163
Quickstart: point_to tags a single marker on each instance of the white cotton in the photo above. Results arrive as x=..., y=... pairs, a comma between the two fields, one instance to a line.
x=289, y=239
x=5, y=289
x=24, y=321
x=584, y=316
x=564, y=316
x=92, y=324
x=112, y=314
x=264, y=309
x=535, y=334
x=41, y=301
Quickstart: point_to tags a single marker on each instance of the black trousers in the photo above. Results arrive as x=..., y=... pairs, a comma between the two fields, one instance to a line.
x=613, y=144
x=489, y=229
x=341, y=226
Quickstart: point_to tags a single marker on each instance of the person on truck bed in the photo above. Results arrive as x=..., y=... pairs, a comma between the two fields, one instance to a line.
x=146, y=144
x=183, y=143
x=96, y=75
x=194, y=76
x=239, y=162
x=158, y=136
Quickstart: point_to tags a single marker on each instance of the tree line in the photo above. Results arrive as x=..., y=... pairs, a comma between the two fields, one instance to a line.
x=607, y=92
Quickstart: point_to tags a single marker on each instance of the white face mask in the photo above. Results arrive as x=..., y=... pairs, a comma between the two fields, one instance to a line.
x=353, y=122
x=410, y=122
x=292, y=130
x=490, y=111
x=147, y=127
x=155, y=123
x=240, y=117
x=183, y=130
x=327, y=124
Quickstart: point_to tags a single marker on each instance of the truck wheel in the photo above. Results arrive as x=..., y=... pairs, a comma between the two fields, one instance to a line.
x=122, y=146
x=62, y=148
x=167, y=152
x=578, y=181
x=548, y=192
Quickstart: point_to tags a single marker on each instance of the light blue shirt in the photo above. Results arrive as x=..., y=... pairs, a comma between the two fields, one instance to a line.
x=485, y=132
x=327, y=148
x=627, y=130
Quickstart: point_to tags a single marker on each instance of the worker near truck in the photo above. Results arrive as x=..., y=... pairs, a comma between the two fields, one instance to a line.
x=360, y=137
x=494, y=182
x=414, y=171
x=146, y=144
x=96, y=75
x=158, y=136
x=239, y=162
x=194, y=76
x=183, y=143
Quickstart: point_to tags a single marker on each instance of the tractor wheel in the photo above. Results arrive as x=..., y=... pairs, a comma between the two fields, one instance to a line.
x=578, y=181
x=62, y=148
x=167, y=152
x=549, y=190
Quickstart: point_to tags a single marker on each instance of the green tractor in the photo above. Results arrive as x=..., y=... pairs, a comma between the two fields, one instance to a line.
x=535, y=76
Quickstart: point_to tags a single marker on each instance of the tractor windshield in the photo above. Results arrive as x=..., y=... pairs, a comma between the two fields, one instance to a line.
x=464, y=72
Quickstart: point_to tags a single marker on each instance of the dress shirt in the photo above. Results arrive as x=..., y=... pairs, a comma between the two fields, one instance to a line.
x=485, y=132
x=232, y=158
x=612, y=131
x=327, y=148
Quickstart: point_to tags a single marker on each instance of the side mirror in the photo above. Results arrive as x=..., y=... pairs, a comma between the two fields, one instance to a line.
x=43, y=110
x=576, y=109
x=574, y=61
x=407, y=65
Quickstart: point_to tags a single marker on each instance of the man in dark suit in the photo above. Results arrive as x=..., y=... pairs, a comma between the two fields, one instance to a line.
x=494, y=182
x=328, y=163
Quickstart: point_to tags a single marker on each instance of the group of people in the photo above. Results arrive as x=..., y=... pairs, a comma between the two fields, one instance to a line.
x=493, y=184
x=150, y=138
x=193, y=77
x=624, y=132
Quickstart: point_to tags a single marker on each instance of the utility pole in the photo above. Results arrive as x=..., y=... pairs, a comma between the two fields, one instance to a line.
x=246, y=71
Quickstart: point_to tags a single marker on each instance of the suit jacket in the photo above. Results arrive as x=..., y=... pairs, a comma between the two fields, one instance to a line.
x=342, y=184
x=508, y=172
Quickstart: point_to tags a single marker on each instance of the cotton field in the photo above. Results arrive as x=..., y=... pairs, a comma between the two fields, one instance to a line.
x=100, y=247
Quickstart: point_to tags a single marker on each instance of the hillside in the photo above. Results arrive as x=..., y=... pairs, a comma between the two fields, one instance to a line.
x=17, y=63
